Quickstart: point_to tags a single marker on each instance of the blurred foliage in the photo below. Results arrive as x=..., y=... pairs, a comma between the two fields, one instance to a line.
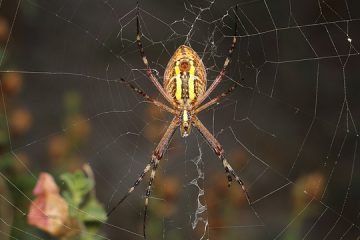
x=84, y=208
x=17, y=180
x=81, y=197
x=15, y=121
x=75, y=214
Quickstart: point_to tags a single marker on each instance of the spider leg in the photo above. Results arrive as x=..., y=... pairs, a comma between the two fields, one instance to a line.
x=148, y=98
x=156, y=157
x=153, y=164
x=216, y=99
x=146, y=169
x=219, y=151
x=146, y=62
x=223, y=70
x=148, y=190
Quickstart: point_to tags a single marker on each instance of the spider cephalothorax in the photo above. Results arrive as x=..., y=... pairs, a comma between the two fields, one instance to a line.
x=184, y=89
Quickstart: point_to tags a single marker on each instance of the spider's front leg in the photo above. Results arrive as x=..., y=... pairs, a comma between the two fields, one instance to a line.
x=153, y=165
x=219, y=151
x=156, y=157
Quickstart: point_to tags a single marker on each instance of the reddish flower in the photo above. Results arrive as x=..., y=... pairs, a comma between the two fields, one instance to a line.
x=49, y=211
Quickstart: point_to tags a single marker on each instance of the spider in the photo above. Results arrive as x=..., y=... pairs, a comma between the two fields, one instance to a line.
x=185, y=90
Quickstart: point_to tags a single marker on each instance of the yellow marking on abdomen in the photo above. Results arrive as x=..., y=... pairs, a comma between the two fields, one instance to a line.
x=191, y=82
x=178, y=93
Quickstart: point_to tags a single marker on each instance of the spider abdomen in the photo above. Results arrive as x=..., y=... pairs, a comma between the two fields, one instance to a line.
x=185, y=76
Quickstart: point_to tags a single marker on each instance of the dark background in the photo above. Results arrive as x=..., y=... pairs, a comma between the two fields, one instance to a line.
x=290, y=130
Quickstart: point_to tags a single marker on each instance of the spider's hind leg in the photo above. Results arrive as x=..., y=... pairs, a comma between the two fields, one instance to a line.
x=149, y=72
x=222, y=72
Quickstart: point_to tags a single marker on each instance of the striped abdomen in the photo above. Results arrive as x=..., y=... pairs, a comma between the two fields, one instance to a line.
x=185, y=76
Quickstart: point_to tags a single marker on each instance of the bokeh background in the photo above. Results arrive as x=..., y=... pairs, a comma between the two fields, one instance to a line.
x=291, y=128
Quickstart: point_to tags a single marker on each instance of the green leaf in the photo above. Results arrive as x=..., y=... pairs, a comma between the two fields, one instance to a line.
x=83, y=205
x=78, y=186
x=93, y=211
x=73, y=210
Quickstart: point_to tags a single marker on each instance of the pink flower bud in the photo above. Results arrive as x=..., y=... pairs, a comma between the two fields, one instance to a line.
x=49, y=211
x=45, y=185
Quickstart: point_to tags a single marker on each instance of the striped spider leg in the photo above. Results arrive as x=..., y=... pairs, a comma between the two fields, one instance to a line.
x=157, y=155
x=149, y=72
x=222, y=72
x=219, y=151
x=148, y=98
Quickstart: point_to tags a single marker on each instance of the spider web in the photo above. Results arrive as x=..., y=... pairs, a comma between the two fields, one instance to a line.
x=290, y=130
